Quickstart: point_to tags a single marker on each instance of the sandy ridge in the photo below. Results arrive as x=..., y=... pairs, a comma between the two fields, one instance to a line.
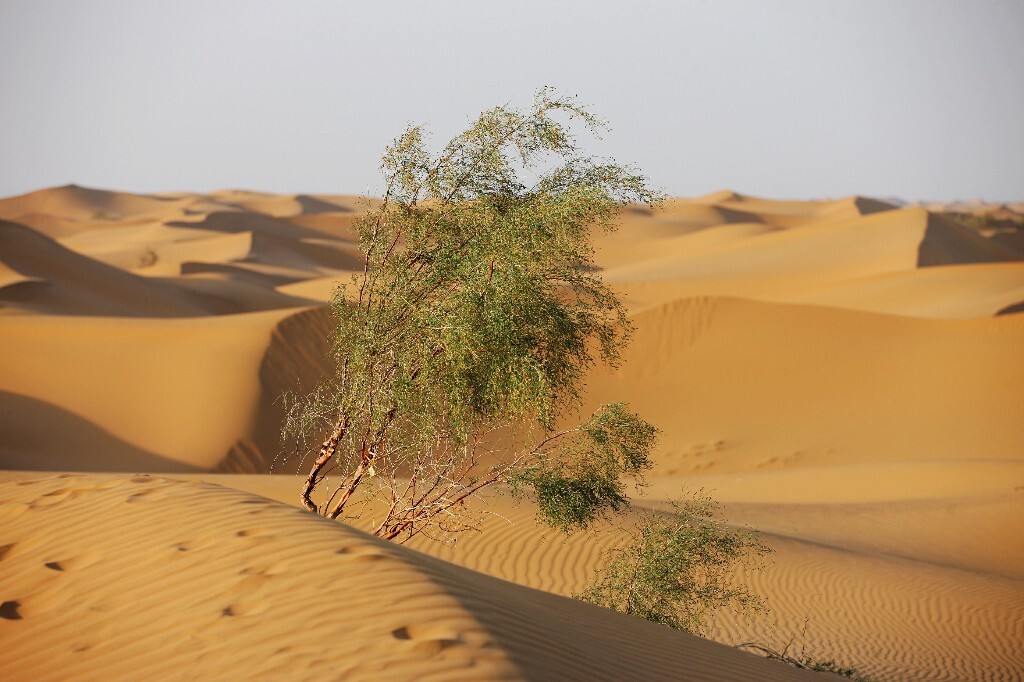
x=265, y=590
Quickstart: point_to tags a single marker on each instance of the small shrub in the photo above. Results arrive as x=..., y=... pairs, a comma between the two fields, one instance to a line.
x=830, y=666
x=678, y=568
x=806, y=661
x=148, y=257
x=981, y=221
x=988, y=221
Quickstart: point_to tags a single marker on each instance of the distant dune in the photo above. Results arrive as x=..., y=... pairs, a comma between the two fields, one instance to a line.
x=843, y=375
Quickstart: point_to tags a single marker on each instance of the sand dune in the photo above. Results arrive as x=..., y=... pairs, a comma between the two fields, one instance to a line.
x=154, y=248
x=183, y=389
x=740, y=385
x=898, y=617
x=270, y=592
x=752, y=260
x=97, y=277
x=83, y=203
x=294, y=361
x=185, y=239
x=882, y=585
x=63, y=280
x=952, y=291
x=842, y=374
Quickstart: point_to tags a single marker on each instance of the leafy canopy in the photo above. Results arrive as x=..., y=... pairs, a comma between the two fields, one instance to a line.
x=480, y=308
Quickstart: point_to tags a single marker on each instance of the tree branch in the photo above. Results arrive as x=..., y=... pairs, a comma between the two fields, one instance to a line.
x=327, y=450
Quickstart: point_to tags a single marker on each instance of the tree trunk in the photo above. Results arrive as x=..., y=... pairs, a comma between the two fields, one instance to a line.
x=327, y=451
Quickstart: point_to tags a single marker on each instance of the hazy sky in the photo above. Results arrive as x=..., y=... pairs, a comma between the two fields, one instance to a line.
x=915, y=99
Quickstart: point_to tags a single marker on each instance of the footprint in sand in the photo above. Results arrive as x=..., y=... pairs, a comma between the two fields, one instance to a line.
x=237, y=609
x=255, y=533
x=61, y=495
x=360, y=554
x=427, y=639
x=9, y=610
x=74, y=563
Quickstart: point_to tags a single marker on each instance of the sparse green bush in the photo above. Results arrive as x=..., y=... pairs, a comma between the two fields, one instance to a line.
x=978, y=221
x=988, y=221
x=678, y=568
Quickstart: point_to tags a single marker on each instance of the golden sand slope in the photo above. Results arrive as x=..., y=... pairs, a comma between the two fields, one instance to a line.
x=163, y=391
x=926, y=589
x=109, y=577
x=742, y=385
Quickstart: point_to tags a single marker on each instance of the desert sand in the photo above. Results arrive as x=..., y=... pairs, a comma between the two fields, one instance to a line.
x=845, y=376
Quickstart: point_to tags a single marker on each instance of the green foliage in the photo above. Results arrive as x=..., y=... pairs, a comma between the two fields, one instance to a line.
x=678, y=568
x=582, y=479
x=479, y=309
x=989, y=221
x=980, y=222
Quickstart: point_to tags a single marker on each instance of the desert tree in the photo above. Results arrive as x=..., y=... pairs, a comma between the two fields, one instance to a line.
x=471, y=326
x=679, y=568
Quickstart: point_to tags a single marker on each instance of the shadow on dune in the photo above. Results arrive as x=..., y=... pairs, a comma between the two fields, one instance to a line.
x=947, y=242
x=73, y=284
x=1011, y=309
x=280, y=242
x=254, y=570
x=732, y=215
x=258, y=279
x=867, y=205
x=59, y=281
x=1011, y=240
x=296, y=360
x=551, y=637
x=312, y=205
x=40, y=436
x=247, y=221
x=24, y=294
x=314, y=252
x=331, y=225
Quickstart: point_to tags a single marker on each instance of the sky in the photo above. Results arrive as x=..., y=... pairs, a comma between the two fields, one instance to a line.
x=910, y=99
